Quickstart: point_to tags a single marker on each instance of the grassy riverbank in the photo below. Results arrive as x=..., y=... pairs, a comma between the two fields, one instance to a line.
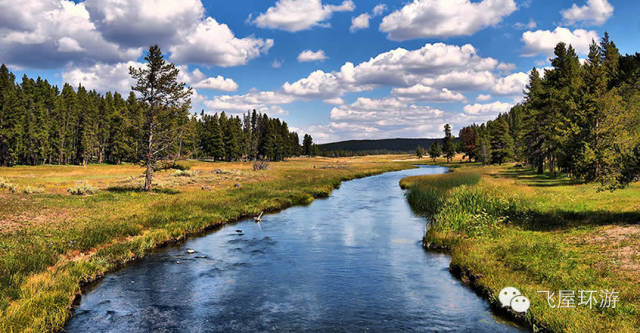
x=52, y=242
x=506, y=226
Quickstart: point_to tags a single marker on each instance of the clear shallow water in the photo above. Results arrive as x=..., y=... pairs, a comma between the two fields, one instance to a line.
x=352, y=262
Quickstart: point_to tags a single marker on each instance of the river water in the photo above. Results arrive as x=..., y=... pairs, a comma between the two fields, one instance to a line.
x=351, y=262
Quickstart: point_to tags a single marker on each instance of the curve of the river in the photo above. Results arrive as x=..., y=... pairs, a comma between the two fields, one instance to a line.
x=350, y=262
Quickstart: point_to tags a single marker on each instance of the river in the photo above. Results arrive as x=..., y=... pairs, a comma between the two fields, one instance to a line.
x=348, y=263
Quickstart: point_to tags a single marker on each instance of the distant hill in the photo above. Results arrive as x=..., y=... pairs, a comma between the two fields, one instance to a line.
x=379, y=146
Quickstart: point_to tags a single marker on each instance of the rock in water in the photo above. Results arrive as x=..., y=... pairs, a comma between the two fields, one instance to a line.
x=190, y=251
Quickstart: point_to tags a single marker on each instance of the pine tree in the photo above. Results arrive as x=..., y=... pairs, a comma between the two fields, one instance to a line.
x=165, y=99
x=500, y=140
x=307, y=142
x=435, y=151
x=448, y=148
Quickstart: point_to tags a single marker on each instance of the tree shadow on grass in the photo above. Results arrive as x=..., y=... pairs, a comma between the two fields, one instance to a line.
x=561, y=220
x=529, y=177
x=137, y=189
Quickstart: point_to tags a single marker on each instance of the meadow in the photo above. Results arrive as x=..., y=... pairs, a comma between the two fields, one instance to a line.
x=53, y=243
x=507, y=226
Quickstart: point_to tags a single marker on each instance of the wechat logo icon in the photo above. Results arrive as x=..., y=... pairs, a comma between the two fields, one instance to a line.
x=512, y=297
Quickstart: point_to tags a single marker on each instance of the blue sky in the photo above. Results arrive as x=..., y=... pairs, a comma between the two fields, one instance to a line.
x=373, y=69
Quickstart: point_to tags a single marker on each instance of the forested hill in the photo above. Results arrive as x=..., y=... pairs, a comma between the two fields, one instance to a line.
x=383, y=145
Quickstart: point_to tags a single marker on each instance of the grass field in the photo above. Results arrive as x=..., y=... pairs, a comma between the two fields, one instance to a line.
x=52, y=242
x=506, y=226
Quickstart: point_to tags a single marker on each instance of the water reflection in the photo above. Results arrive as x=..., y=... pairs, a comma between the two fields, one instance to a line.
x=351, y=262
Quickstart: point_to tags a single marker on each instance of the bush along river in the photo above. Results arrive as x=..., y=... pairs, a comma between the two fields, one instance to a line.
x=350, y=262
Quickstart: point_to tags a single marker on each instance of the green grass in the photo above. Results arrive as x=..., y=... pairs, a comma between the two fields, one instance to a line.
x=52, y=243
x=537, y=233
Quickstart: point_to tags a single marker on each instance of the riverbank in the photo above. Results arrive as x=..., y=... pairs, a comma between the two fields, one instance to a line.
x=52, y=243
x=507, y=226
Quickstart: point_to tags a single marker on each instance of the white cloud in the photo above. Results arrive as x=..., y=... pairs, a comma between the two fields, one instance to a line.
x=359, y=22
x=544, y=41
x=334, y=101
x=264, y=101
x=115, y=77
x=512, y=84
x=435, y=18
x=487, y=110
x=437, y=66
x=67, y=44
x=141, y=22
x=379, y=9
x=531, y=25
x=102, y=77
x=47, y=33
x=424, y=93
x=317, y=85
x=216, y=83
x=483, y=97
x=276, y=63
x=213, y=43
x=296, y=15
x=308, y=55
x=504, y=67
x=594, y=12
x=379, y=118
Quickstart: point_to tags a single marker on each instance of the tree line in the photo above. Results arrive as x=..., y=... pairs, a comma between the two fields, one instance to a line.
x=582, y=119
x=41, y=124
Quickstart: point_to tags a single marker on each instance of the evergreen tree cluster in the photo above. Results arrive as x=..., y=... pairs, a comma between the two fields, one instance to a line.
x=41, y=124
x=255, y=136
x=582, y=119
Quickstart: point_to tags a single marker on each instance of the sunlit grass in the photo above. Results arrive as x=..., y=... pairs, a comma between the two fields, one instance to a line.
x=50, y=242
x=540, y=233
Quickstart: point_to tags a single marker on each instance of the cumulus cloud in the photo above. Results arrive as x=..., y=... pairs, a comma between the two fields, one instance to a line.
x=216, y=83
x=296, y=15
x=424, y=93
x=428, y=70
x=264, y=101
x=54, y=33
x=308, y=55
x=135, y=23
x=48, y=33
x=512, y=84
x=213, y=43
x=379, y=9
x=594, y=12
x=379, y=118
x=435, y=18
x=115, y=77
x=487, y=110
x=360, y=22
x=334, y=101
x=483, y=97
x=102, y=77
x=544, y=41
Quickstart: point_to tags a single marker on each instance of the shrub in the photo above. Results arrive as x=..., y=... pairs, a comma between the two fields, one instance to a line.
x=32, y=190
x=166, y=165
x=260, y=165
x=185, y=173
x=5, y=184
x=82, y=189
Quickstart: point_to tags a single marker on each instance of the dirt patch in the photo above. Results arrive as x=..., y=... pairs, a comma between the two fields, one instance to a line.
x=622, y=245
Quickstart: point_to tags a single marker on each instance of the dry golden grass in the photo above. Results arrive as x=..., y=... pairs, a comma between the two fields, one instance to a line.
x=52, y=241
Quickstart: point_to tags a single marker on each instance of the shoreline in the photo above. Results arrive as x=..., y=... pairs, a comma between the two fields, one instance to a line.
x=87, y=285
x=470, y=279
